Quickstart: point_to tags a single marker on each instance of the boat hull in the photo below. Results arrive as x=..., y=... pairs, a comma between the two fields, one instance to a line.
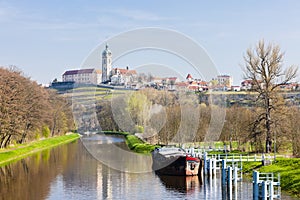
x=178, y=166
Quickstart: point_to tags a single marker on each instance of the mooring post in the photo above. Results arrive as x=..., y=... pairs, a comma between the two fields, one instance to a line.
x=255, y=177
x=210, y=166
x=264, y=190
x=205, y=162
x=214, y=166
x=229, y=181
x=223, y=172
x=235, y=176
x=241, y=169
x=271, y=190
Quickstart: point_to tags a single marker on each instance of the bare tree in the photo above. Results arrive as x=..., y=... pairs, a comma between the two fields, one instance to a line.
x=25, y=107
x=264, y=66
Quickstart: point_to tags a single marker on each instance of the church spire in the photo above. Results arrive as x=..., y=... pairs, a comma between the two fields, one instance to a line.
x=106, y=64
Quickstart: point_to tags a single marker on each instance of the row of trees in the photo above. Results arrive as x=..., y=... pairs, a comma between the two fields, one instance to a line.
x=171, y=118
x=28, y=111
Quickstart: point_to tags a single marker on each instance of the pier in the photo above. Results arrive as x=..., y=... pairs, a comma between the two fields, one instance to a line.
x=266, y=186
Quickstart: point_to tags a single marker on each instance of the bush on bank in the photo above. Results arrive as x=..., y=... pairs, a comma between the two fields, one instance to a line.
x=134, y=143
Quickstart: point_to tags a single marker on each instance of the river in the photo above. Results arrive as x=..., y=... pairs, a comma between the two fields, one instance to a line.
x=71, y=172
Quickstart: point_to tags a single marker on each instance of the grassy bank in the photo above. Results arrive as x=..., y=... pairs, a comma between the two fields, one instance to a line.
x=21, y=151
x=134, y=143
x=289, y=169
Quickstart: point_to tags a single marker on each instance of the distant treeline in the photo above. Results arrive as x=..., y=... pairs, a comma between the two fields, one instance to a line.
x=29, y=111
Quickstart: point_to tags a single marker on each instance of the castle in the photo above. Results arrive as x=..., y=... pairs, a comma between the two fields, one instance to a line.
x=115, y=76
x=108, y=75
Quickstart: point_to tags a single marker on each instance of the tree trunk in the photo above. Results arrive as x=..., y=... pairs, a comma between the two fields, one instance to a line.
x=268, y=125
x=7, y=141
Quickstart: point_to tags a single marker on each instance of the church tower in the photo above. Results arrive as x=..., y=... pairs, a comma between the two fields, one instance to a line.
x=106, y=64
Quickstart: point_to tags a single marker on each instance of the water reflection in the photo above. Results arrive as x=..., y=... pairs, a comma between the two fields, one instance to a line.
x=108, y=152
x=184, y=184
x=30, y=178
x=70, y=172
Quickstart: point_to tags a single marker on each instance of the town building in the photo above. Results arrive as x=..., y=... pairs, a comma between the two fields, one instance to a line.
x=247, y=84
x=123, y=76
x=83, y=76
x=116, y=76
x=235, y=88
x=225, y=81
x=189, y=77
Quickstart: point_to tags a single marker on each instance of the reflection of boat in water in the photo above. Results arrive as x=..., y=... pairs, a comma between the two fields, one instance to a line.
x=174, y=161
x=181, y=183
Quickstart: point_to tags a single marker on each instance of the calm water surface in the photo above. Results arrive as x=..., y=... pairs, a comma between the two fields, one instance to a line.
x=70, y=172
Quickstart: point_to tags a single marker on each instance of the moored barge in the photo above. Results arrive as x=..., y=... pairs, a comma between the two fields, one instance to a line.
x=174, y=161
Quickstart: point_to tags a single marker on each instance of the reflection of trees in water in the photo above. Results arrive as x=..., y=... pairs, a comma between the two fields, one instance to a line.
x=118, y=158
x=36, y=176
x=31, y=177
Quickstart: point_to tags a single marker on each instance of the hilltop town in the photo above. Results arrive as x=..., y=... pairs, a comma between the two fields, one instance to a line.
x=126, y=78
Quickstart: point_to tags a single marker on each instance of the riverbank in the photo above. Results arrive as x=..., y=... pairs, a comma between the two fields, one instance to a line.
x=22, y=151
x=289, y=169
x=134, y=143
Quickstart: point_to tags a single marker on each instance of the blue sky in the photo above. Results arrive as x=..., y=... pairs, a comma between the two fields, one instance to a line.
x=45, y=38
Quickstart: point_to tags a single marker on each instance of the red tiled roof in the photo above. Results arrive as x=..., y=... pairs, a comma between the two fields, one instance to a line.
x=172, y=78
x=193, y=87
x=189, y=76
x=125, y=71
x=131, y=72
x=182, y=84
x=202, y=83
x=247, y=82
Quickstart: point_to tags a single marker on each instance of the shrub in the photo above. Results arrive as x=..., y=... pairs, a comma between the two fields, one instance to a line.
x=139, y=129
x=45, y=131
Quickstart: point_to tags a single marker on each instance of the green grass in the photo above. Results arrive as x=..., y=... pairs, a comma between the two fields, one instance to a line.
x=134, y=143
x=289, y=169
x=21, y=151
x=248, y=167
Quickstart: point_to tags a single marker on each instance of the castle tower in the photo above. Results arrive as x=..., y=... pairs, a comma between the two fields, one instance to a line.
x=106, y=64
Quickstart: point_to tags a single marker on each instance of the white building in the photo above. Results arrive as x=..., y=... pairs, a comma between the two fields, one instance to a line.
x=115, y=76
x=123, y=76
x=85, y=76
x=225, y=80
